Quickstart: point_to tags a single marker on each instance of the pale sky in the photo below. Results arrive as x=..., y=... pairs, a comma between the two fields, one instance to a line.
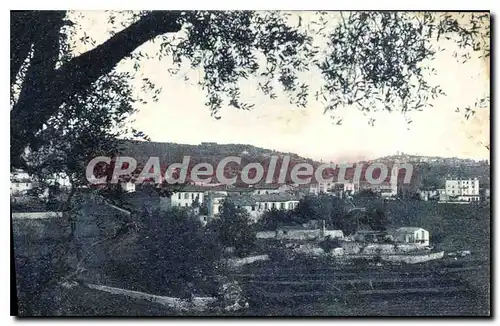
x=181, y=116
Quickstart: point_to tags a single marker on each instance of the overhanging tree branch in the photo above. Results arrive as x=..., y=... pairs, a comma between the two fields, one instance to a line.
x=40, y=102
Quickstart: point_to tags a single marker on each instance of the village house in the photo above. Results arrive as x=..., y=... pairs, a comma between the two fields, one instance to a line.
x=276, y=201
x=187, y=196
x=442, y=194
x=411, y=235
x=255, y=205
x=214, y=201
x=339, y=189
x=461, y=190
x=128, y=186
x=20, y=183
x=426, y=194
x=371, y=236
x=316, y=188
x=247, y=203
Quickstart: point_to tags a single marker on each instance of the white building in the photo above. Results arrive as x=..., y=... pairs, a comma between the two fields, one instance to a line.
x=214, y=201
x=462, y=190
x=428, y=194
x=20, y=182
x=338, y=188
x=255, y=205
x=276, y=201
x=317, y=188
x=128, y=186
x=186, y=196
x=412, y=235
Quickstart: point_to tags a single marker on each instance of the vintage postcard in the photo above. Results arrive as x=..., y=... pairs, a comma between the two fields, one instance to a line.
x=250, y=163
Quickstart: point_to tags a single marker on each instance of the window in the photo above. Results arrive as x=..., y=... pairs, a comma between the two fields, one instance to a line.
x=282, y=205
x=274, y=205
x=253, y=207
x=266, y=206
x=422, y=235
x=192, y=196
x=186, y=195
x=179, y=196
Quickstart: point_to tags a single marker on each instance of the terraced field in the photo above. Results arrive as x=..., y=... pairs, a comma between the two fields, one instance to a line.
x=433, y=289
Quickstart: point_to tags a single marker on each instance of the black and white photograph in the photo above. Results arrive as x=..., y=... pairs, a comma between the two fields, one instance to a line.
x=250, y=163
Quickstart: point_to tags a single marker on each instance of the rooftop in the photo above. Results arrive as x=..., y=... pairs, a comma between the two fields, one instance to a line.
x=268, y=186
x=189, y=188
x=275, y=197
x=410, y=229
x=244, y=200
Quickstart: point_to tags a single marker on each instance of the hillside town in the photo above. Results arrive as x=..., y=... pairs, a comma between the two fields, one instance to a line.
x=206, y=201
x=275, y=211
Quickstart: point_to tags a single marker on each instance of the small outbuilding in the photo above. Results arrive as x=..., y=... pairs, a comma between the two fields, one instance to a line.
x=412, y=235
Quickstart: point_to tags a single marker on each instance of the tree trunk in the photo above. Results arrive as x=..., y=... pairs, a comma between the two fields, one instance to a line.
x=45, y=88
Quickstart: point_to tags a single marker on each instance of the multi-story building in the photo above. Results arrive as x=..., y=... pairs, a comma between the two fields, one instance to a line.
x=317, y=188
x=337, y=188
x=462, y=190
x=255, y=205
x=187, y=196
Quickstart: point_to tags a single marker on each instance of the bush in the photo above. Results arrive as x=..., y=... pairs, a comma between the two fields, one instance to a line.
x=274, y=218
x=172, y=255
x=329, y=244
x=234, y=229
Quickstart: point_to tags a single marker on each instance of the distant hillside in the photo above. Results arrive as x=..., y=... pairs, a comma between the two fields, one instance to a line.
x=432, y=171
x=412, y=158
x=211, y=153
x=429, y=171
x=204, y=152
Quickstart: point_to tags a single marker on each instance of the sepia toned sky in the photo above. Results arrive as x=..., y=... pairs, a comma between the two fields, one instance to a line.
x=181, y=116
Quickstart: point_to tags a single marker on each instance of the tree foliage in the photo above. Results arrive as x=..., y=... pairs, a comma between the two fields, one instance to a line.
x=234, y=229
x=368, y=60
x=322, y=207
x=172, y=255
x=274, y=218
